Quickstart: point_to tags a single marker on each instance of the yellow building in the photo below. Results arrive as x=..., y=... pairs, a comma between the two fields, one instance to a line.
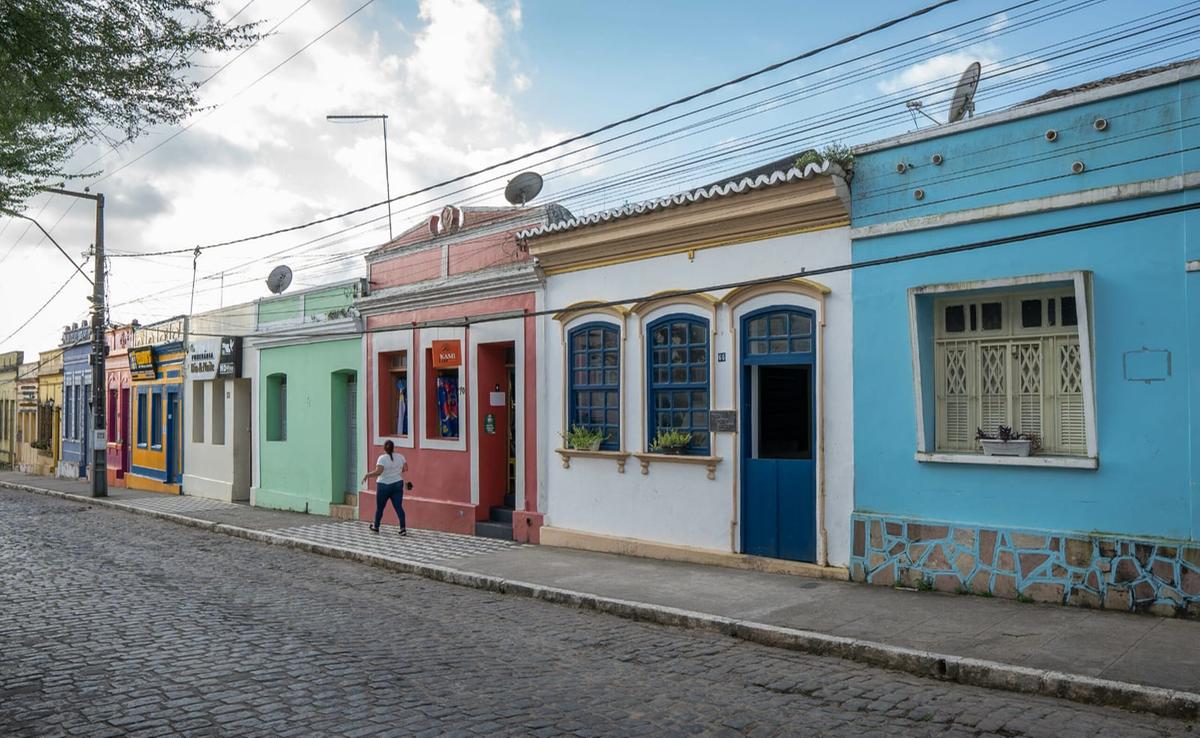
x=26, y=383
x=156, y=356
x=48, y=440
x=10, y=363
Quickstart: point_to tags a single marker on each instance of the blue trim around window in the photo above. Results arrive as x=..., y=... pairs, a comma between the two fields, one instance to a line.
x=779, y=335
x=677, y=379
x=156, y=419
x=141, y=417
x=594, y=380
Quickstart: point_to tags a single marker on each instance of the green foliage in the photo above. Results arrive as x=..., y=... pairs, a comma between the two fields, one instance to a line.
x=671, y=440
x=78, y=70
x=837, y=153
x=583, y=438
x=925, y=585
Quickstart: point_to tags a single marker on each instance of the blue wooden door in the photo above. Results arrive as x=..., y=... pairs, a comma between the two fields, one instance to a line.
x=174, y=423
x=778, y=419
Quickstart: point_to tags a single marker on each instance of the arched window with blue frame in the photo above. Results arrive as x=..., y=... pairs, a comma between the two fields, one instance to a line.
x=594, y=382
x=678, y=379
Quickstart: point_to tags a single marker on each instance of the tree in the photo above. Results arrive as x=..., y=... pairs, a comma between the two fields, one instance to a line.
x=106, y=70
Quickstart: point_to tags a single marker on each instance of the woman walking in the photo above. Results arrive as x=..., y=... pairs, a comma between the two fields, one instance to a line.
x=389, y=469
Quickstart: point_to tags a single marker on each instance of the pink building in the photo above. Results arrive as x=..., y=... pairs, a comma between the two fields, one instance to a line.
x=116, y=382
x=459, y=400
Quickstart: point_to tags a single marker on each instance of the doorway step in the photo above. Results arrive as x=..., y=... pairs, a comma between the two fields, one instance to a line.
x=348, y=510
x=499, y=524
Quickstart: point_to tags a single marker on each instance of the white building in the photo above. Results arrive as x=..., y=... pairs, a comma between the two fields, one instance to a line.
x=216, y=406
x=676, y=314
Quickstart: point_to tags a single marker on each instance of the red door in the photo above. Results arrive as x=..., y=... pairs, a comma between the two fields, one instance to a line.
x=124, y=433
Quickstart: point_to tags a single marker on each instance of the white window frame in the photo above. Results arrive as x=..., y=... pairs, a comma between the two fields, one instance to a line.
x=385, y=343
x=926, y=446
x=428, y=336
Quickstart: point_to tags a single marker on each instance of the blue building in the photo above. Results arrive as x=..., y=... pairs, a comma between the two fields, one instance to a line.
x=1072, y=320
x=77, y=402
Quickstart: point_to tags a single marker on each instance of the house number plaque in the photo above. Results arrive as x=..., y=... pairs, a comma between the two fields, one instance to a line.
x=722, y=421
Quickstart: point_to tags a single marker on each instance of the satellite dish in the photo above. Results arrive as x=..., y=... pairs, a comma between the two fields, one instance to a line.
x=523, y=188
x=279, y=279
x=963, y=102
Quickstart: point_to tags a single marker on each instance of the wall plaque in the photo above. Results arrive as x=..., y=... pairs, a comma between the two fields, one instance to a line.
x=722, y=421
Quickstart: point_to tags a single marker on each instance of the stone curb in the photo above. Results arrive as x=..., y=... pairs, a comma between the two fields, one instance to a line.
x=958, y=669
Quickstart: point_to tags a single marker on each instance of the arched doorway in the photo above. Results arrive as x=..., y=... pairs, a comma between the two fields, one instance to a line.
x=779, y=444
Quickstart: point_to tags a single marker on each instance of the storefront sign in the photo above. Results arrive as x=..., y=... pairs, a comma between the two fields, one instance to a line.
x=722, y=421
x=141, y=364
x=209, y=358
x=489, y=424
x=164, y=332
x=447, y=354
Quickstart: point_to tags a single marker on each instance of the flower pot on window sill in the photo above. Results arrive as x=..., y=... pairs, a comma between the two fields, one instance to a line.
x=676, y=451
x=996, y=447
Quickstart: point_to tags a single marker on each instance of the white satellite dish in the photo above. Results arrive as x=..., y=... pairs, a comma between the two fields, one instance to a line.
x=963, y=101
x=279, y=278
x=523, y=188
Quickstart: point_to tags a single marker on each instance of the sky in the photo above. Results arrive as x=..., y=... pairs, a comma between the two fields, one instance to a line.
x=469, y=83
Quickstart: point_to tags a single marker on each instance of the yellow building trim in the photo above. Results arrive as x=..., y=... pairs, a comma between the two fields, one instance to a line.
x=691, y=247
x=800, y=286
x=570, y=312
x=702, y=300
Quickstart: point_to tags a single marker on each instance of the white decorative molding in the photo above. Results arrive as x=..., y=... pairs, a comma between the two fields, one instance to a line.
x=1061, y=462
x=1081, y=287
x=481, y=285
x=1113, y=193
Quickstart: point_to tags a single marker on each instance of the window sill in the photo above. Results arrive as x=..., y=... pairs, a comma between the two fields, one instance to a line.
x=1060, y=462
x=569, y=453
x=708, y=462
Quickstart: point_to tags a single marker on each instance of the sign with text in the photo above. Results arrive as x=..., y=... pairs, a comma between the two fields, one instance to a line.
x=164, y=332
x=447, y=354
x=722, y=421
x=141, y=364
x=209, y=358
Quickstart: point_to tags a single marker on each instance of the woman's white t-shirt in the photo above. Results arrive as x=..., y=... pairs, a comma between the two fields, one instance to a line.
x=392, y=468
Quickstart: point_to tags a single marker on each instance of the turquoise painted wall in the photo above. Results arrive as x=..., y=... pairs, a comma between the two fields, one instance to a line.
x=306, y=472
x=1149, y=451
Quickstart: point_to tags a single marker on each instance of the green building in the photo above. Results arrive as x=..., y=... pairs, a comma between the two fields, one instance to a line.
x=306, y=359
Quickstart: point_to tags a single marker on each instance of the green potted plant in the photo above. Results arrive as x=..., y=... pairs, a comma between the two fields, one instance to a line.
x=671, y=441
x=1007, y=443
x=582, y=438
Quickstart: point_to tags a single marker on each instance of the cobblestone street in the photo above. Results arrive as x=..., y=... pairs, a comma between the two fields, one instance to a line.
x=117, y=624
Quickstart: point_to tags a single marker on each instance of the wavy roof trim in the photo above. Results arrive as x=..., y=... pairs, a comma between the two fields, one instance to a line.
x=736, y=186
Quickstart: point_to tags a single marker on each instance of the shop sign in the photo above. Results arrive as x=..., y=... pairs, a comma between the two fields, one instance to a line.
x=447, y=354
x=209, y=358
x=164, y=332
x=141, y=364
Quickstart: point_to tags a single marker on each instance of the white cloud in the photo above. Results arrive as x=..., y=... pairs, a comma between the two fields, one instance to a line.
x=268, y=158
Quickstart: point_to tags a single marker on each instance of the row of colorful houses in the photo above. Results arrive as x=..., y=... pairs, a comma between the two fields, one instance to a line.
x=959, y=360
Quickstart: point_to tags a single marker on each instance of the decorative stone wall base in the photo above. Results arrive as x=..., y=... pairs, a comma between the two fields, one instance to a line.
x=1109, y=572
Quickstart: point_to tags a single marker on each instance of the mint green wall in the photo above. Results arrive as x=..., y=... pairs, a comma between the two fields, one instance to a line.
x=282, y=308
x=321, y=303
x=307, y=471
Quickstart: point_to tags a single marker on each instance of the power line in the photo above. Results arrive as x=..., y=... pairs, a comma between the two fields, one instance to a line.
x=609, y=126
x=469, y=320
x=39, y=310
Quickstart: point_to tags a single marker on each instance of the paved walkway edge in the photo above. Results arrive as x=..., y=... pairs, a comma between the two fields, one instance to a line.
x=975, y=672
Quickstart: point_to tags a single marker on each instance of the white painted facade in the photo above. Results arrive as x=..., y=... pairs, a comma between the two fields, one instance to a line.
x=216, y=416
x=674, y=501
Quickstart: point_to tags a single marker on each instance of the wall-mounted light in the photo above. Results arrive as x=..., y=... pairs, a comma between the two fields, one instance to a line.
x=919, y=194
x=1051, y=135
x=1078, y=167
x=1100, y=124
x=937, y=160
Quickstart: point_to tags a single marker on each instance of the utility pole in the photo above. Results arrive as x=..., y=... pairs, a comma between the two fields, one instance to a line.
x=99, y=439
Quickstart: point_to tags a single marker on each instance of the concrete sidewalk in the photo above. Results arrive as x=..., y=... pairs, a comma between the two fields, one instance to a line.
x=1136, y=661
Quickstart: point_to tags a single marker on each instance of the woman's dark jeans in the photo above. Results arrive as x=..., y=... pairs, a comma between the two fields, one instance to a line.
x=393, y=492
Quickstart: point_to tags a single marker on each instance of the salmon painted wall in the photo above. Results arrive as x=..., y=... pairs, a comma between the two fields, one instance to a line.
x=116, y=381
x=441, y=475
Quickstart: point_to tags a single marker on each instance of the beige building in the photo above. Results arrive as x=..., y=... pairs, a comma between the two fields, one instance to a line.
x=26, y=383
x=47, y=439
x=10, y=363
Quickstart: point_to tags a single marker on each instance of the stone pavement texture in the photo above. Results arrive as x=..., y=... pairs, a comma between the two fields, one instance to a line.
x=117, y=624
x=1138, y=649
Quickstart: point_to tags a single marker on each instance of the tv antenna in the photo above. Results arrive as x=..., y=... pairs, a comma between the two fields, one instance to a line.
x=914, y=107
x=279, y=278
x=523, y=188
x=963, y=101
